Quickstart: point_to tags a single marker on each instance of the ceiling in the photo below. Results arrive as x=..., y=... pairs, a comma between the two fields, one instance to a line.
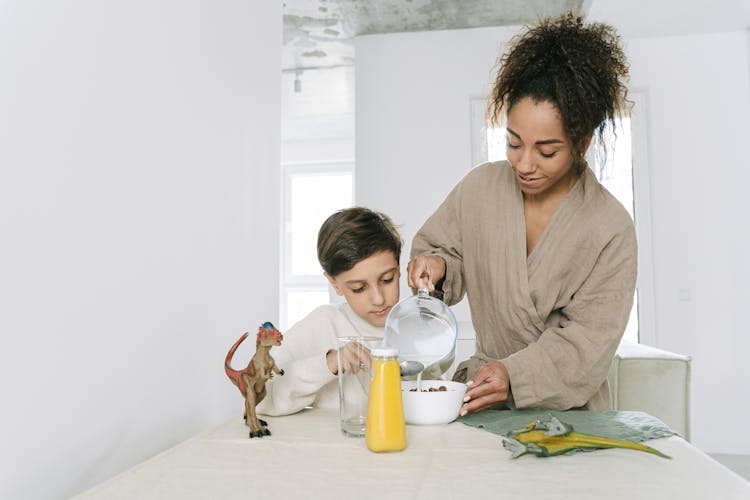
x=319, y=33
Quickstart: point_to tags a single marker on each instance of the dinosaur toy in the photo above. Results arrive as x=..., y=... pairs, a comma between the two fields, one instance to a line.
x=251, y=381
x=546, y=439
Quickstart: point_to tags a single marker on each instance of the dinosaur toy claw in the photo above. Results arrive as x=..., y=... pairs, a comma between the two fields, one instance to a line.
x=260, y=433
x=556, y=428
x=515, y=447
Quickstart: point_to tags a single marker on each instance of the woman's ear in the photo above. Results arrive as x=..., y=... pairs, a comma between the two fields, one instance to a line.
x=333, y=284
x=586, y=142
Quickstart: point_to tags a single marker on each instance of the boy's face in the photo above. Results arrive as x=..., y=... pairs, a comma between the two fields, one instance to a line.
x=371, y=287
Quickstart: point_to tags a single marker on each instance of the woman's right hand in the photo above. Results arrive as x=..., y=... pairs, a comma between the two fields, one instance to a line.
x=425, y=271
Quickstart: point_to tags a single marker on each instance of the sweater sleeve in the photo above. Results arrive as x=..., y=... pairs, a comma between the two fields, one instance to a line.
x=302, y=357
x=569, y=363
x=441, y=235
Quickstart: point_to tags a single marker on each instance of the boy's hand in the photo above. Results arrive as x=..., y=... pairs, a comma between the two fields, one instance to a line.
x=425, y=271
x=332, y=360
x=354, y=357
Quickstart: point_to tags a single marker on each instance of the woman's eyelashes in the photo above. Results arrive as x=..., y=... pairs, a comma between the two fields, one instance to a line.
x=541, y=153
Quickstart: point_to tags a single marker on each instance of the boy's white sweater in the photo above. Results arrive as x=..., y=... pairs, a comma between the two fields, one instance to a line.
x=307, y=381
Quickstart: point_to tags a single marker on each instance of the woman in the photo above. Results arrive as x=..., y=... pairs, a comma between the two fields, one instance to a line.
x=545, y=254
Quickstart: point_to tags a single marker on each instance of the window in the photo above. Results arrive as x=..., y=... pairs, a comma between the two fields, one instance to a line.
x=617, y=177
x=626, y=152
x=312, y=192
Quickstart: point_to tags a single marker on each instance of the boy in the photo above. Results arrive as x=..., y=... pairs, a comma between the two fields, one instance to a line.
x=359, y=251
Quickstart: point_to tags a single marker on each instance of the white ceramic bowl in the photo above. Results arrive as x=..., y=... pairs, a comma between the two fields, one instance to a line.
x=430, y=408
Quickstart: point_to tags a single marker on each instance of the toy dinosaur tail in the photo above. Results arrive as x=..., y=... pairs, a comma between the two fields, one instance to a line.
x=233, y=375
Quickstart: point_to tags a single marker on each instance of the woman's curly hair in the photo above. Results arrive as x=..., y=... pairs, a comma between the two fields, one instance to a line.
x=580, y=68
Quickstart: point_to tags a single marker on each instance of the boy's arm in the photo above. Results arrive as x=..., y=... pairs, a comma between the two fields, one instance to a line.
x=302, y=356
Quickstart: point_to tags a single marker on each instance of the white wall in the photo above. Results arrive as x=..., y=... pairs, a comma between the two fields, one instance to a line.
x=699, y=121
x=138, y=225
x=413, y=145
x=317, y=123
x=412, y=122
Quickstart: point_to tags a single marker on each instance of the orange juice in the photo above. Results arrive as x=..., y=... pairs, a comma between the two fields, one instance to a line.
x=385, y=429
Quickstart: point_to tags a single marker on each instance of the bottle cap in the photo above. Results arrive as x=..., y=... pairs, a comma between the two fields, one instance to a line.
x=384, y=351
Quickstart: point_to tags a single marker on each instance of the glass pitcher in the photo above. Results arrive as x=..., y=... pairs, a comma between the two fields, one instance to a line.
x=424, y=330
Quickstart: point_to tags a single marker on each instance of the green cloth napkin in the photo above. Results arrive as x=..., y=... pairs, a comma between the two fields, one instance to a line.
x=633, y=426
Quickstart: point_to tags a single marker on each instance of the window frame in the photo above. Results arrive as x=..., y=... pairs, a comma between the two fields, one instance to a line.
x=302, y=283
x=642, y=196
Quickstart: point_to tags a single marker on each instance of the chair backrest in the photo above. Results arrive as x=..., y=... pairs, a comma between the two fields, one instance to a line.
x=654, y=381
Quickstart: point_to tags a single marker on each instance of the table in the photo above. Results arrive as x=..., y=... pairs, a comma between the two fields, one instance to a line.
x=307, y=457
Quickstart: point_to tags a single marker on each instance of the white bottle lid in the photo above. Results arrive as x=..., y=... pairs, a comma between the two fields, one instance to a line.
x=384, y=351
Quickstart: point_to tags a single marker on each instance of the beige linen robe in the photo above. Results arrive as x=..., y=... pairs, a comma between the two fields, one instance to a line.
x=553, y=318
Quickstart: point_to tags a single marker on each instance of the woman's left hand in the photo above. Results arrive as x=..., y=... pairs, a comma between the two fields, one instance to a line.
x=488, y=386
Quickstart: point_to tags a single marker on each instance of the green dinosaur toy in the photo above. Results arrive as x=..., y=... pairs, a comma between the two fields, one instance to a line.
x=546, y=439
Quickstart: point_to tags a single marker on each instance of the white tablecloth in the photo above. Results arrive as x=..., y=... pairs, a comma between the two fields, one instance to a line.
x=307, y=457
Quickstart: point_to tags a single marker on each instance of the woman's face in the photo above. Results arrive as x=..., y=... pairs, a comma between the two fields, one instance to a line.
x=538, y=149
x=370, y=287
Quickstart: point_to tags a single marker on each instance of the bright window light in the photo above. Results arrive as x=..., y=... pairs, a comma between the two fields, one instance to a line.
x=617, y=177
x=312, y=192
x=496, y=144
x=313, y=199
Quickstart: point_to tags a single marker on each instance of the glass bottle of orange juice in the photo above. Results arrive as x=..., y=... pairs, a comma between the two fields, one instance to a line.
x=385, y=429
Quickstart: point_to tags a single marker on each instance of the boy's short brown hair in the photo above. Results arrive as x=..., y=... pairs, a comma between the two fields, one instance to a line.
x=353, y=234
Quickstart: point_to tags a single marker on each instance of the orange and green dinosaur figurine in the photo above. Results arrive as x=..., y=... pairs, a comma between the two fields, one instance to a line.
x=251, y=381
x=546, y=439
